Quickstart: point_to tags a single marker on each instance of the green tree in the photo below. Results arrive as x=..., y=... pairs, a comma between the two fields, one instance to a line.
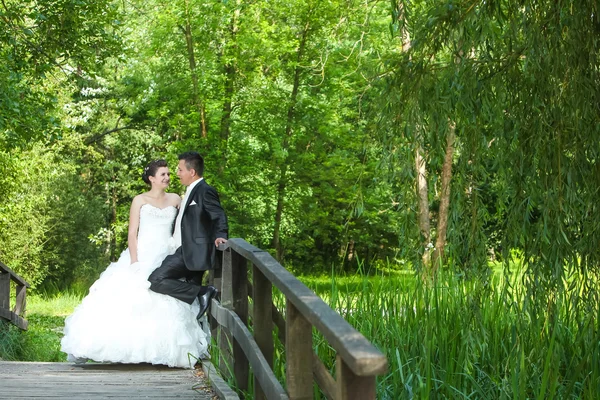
x=38, y=41
x=519, y=83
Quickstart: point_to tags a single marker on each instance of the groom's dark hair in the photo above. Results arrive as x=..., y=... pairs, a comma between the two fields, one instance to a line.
x=193, y=161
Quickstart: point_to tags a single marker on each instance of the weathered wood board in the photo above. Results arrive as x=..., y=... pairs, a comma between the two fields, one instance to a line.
x=36, y=380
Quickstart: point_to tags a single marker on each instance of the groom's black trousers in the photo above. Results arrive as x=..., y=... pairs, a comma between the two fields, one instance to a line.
x=167, y=279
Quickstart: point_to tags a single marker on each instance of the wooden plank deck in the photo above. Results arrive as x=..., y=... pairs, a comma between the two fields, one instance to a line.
x=37, y=380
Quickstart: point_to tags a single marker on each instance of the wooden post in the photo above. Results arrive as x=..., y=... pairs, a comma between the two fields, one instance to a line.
x=5, y=290
x=239, y=287
x=223, y=337
x=299, y=354
x=263, y=321
x=215, y=275
x=215, y=279
x=21, y=300
x=351, y=386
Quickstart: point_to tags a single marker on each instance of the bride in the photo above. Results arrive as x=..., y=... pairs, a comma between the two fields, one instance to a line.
x=121, y=320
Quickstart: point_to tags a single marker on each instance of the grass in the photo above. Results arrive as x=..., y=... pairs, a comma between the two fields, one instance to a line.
x=41, y=341
x=61, y=304
x=461, y=339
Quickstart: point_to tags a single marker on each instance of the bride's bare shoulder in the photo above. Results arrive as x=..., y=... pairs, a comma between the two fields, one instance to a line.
x=174, y=199
x=139, y=200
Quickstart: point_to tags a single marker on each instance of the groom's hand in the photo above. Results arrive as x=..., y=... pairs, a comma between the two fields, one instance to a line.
x=219, y=241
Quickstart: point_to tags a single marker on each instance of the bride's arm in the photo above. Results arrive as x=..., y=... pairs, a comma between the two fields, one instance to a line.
x=134, y=224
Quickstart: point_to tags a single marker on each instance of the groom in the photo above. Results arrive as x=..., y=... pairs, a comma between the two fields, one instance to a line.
x=201, y=225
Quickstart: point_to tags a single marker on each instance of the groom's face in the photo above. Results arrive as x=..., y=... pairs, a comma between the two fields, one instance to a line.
x=186, y=176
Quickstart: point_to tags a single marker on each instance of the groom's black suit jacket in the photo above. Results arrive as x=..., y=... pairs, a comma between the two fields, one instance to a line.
x=202, y=222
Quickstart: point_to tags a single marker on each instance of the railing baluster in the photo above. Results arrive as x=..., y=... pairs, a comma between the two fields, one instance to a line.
x=5, y=290
x=239, y=287
x=263, y=321
x=215, y=278
x=351, y=386
x=14, y=315
x=224, y=338
x=299, y=354
x=21, y=300
x=234, y=296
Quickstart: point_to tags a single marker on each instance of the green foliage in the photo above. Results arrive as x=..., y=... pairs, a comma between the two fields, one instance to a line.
x=47, y=218
x=41, y=342
x=39, y=39
x=462, y=338
x=312, y=113
x=519, y=81
x=10, y=342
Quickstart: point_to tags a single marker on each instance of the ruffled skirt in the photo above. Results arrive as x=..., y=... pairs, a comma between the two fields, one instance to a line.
x=122, y=321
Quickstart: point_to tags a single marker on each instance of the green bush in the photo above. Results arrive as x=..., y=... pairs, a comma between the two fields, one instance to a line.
x=11, y=342
x=41, y=341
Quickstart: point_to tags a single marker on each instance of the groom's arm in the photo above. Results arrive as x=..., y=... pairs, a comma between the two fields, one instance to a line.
x=212, y=205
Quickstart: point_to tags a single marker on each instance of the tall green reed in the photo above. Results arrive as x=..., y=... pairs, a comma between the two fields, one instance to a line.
x=458, y=338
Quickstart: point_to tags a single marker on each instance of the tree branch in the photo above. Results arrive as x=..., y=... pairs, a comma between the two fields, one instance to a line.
x=96, y=138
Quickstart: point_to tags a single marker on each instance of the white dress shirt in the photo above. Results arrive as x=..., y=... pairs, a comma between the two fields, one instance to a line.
x=177, y=232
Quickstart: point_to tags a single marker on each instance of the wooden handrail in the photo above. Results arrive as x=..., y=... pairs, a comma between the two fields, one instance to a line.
x=13, y=275
x=16, y=315
x=358, y=361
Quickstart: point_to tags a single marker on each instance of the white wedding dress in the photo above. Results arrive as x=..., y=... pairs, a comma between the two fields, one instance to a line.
x=122, y=321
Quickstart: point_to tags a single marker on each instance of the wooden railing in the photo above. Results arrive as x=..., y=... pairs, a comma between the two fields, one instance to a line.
x=358, y=362
x=14, y=315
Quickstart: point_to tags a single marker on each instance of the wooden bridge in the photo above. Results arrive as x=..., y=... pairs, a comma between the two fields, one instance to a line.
x=15, y=315
x=243, y=323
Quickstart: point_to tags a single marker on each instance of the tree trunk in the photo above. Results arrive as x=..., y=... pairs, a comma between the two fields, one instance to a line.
x=229, y=70
x=108, y=239
x=421, y=169
x=351, y=250
x=229, y=86
x=113, y=220
x=276, y=244
x=423, y=199
x=442, y=227
x=189, y=39
x=281, y=186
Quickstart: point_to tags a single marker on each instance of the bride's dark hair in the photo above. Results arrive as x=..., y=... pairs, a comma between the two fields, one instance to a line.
x=151, y=169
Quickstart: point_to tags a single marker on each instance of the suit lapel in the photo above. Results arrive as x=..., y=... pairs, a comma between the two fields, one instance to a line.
x=192, y=194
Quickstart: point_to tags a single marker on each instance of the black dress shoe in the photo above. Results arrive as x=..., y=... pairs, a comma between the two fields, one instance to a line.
x=204, y=300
